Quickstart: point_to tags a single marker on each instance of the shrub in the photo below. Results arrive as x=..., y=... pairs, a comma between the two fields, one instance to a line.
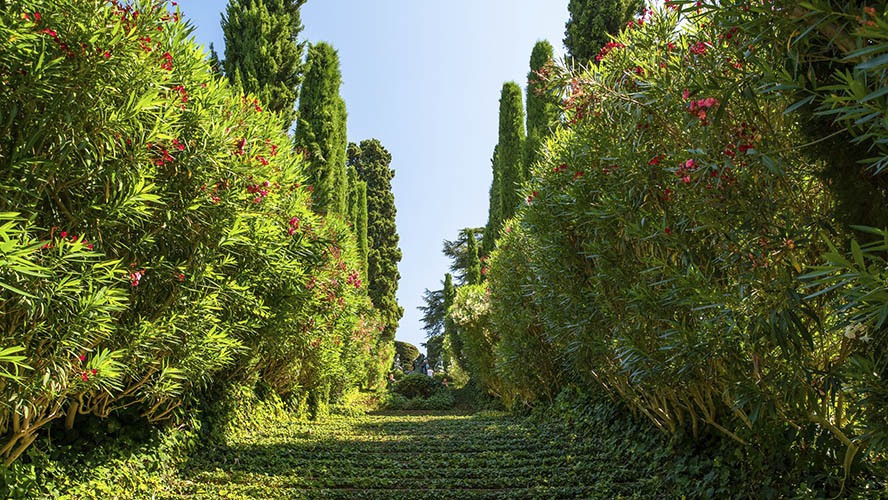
x=161, y=232
x=417, y=384
x=658, y=252
x=393, y=401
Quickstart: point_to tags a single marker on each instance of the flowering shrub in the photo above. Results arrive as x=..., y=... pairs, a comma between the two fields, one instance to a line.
x=163, y=237
x=660, y=244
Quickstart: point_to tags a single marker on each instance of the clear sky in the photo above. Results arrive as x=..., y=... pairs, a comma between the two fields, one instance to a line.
x=423, y=77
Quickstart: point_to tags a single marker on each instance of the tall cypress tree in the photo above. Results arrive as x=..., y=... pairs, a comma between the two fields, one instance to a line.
x=340, y=189
x=321, y=129
x=361, y=225
x=371, y=161
x=541, y=108
x=262, y=51
x=455, y=343
x=509, y=149
x=590, y=23
x=494, y=210
x=473, y=275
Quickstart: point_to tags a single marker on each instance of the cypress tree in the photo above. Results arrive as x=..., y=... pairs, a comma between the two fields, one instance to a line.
x=215, y=62
x=509, y=149
x=361, y=224
x=321, y=129
x=262, y=51
x=590, y=23
x=541, y=108
x=473, y=275
x=455, y=343
x=494, y=211
x=371, y=161
x=338, y=161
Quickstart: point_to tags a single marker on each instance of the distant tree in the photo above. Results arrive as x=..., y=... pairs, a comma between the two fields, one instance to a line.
x=371, y=161
x=510, y=148
x=457, y=252
x=321, y=129
x=590, y=23
x=473, y=275
x=452, y=341
x=433, y=312
x=542, y=110
x=406, y=352
x=494, y=210
x=263, y=53
x=215, y=62
x=435, y=349
x=361, y=227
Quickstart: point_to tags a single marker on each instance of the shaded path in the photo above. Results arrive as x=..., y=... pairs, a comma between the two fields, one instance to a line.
x=425, y=456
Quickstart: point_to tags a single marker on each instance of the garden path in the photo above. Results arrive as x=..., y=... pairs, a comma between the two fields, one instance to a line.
x=410, y=456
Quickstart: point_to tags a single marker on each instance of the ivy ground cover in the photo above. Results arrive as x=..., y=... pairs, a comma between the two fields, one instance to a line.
x=399, y=455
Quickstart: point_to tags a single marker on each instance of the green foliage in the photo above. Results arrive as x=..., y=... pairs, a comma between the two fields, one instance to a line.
x=417, y=384
x=509, y=152
x=542, y=108
x=591, y=24
x=262, y=53
x=371, y=161
x=658, y=260
x=458, y=252
x=156, y=239
x=320, y=131
x=406, y=352
x=473, y=273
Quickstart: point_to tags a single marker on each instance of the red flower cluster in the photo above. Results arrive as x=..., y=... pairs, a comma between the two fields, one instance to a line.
x=685, y=169
x=166, y=61
x=700, y=107
x=531, y=197
x=258, y=189
x=699, y=48
x=559, y=168
x=136, y=276
x=656, y=160
x=354, y=279
x=607, y=49
x=180, y=276
x=294, y=225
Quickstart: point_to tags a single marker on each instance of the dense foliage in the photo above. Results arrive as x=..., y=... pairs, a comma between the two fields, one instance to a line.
x=371, y=162
x=320, y=130
x=263, y=56
x=542, y=109
x=156, y=233
x=671, y=247
x=591, y=24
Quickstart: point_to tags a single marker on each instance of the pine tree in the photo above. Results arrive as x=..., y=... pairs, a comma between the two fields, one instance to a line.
x=262, y=51
x=590, y=23
x=541, y=108
x=321, y=129
x=509, y=149
x=473, y=276
x=371, y=161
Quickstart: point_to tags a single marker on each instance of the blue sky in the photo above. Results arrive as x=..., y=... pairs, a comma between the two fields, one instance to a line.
x=424, y=78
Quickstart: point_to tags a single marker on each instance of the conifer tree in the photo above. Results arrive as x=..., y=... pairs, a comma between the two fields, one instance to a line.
x=494, y=210
x=371, y=161
x=473, y=275
x=509, y=150
x=215, y=62
x=453, y=341
x=590, y=23
x=361, y=225
x=321, y=129
x=541, y=108
x=262, y=51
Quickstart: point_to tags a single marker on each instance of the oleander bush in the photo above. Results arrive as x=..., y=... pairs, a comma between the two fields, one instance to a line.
x=670, y=249
x=156, y=233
